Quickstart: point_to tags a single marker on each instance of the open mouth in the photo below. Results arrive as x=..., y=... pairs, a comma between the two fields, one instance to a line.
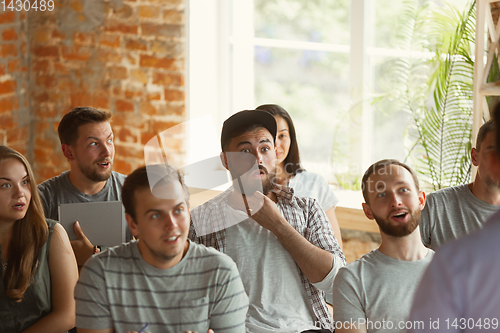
x=104, y=164
x=400, y=215
x=258, y=173
x=173, y=238
x=19, y=206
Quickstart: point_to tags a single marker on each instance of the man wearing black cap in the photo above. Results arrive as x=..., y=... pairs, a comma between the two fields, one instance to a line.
x=283, y=245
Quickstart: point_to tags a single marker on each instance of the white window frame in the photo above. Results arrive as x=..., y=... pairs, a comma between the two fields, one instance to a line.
x=220, y=62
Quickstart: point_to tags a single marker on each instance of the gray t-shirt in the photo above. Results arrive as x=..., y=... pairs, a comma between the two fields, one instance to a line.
x=278, y=301
x=118, y=289
x=378, y=289
x=452, y=213
x=59, y=190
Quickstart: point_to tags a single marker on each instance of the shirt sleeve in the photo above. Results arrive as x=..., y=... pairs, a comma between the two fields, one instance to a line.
x=230, y=309
x=347, y=298
x=320, y=233
x=327, y=283
x=92, y=305
x=326, y=198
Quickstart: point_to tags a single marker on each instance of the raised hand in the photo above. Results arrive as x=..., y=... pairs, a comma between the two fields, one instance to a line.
x=264, y=211
x=82, y=247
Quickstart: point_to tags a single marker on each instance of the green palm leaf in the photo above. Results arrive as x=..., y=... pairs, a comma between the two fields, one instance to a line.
x=437, y=92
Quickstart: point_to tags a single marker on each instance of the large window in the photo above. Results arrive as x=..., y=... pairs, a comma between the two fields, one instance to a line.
x=322, y=60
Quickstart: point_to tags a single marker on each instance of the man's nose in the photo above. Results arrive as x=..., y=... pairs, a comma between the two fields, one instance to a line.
x=396, y=200
x=106, y=151
x=258, y=156
x=170, y=222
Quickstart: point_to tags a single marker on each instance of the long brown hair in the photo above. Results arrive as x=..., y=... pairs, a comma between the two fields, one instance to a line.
x=29, y=234
x=292, y=160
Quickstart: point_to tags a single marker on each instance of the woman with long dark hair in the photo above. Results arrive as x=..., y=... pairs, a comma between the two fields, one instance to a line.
x=38, y=270
x=290, y=173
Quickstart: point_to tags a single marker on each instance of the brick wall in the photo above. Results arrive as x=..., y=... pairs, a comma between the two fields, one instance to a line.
x=14, y=110
x=123, y=56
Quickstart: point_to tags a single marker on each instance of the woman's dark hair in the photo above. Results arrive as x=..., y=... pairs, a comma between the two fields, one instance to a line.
x=292, y=160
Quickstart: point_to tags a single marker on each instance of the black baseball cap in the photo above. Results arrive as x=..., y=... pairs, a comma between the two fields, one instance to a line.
x=239, y=122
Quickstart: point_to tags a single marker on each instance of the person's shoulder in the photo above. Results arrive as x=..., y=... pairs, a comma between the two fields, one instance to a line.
x=209, y=256
x=51, y=224
x=448, y=192
x=54, y=182
x=476, y=246
x=118, y=177
x=368, y=261
x=115, y=254
x=446, y=196
x=429, y=256
x=306, y=203
x=211, y=204
x=115, y=258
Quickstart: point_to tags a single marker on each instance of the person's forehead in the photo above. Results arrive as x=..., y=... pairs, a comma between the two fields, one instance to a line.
x=101, y=129
x=392, y=174
x=164, y=196
x=12, y=167
x=281, y=123
x=256, y=134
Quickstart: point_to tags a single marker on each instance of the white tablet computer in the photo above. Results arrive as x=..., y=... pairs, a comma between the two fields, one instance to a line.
x=102, y=222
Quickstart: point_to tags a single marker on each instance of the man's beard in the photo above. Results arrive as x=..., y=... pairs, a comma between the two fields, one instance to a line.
x=248, y=188
x=91, y=173
x=492, y=184
x=400, y=230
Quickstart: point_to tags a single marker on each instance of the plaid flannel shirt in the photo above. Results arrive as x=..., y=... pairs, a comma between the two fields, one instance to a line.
x=304, y=214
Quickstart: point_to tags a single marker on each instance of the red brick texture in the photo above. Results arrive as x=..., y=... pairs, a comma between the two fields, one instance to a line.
x=14, y=108
x=125, y=56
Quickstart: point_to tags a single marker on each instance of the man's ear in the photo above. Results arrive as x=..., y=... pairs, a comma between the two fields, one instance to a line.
x=368, y=211
x=421, y=199
x=223, y=159
x=473, y=156
x=132, y=225
x=67, y=152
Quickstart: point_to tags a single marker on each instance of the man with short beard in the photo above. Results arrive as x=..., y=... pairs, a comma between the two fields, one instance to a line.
x=375, y=293
x=283, y=245
x=456, y=211
x=87, y=143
